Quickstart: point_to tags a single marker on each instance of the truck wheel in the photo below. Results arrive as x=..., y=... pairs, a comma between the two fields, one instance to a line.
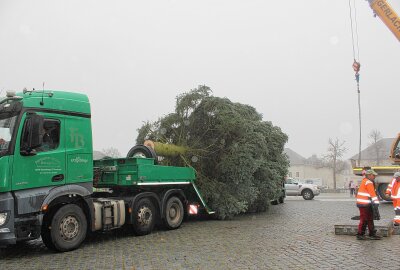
x=281, y=199
x=382, y=192
x=46, y=237
x=143, y=151
x=173, y=213
x=307, y=194
x=68, y=228
x=144, y=217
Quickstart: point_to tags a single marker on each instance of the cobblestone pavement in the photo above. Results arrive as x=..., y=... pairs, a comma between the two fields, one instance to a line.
x=298, y=234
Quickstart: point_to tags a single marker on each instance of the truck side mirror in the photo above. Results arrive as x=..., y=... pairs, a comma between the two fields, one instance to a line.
x=31, y=134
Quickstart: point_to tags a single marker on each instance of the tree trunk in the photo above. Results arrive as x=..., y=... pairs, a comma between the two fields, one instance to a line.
x=166, y=150
x=334, y=174
x=377, y=157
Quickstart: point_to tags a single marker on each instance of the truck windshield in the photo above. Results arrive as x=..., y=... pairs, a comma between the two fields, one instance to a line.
x=6, y=132
x=396, y=149
x=8, y=116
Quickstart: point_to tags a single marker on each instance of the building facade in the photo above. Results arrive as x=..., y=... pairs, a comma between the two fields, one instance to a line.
x=314, y=171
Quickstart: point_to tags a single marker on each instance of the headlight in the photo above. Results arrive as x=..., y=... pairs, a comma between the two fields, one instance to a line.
x=3, y=218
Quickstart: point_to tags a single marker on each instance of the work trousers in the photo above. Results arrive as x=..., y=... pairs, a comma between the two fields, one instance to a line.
x=366, y=218
x=396, y=205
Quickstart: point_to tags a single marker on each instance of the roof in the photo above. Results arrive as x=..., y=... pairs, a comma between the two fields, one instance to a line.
x=56, y=100
x=370, y=153
x=98, y=155
x=294, y=158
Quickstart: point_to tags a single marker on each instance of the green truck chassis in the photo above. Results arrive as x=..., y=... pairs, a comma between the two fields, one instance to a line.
x=127, y=192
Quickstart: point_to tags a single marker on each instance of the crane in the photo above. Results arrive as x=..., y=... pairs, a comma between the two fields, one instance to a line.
x=386, y=13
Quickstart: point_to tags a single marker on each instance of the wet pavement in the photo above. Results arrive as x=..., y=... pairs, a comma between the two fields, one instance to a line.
x=298, y=234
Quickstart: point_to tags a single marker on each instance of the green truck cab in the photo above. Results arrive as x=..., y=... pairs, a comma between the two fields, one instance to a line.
x=51, y=187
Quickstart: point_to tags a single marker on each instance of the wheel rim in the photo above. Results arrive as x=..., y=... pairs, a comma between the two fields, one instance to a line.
x=307, y=195
x=69, y=228
x=382, y=192
x=145, y=216
x=174, y=213
x=139, y=154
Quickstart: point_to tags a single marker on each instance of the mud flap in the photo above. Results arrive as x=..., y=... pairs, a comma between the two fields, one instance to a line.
x=209, y=211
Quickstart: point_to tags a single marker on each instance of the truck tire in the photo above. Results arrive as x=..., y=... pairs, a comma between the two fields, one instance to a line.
x=144, y=217
x=382, y=192
x=68, y=229
x=143, y=151
x=275, y=202
x=307, y=194
x=281, y=199
x=173, y=213
x=46, y=237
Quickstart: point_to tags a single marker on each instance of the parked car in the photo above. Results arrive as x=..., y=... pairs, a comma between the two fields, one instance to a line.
x=294, y=188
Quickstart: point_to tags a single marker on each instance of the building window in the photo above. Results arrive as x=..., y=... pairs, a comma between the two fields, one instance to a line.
x=297, y=174
x=290, y=174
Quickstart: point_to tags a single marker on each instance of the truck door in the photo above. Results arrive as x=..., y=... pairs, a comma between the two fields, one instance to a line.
x=46, y=165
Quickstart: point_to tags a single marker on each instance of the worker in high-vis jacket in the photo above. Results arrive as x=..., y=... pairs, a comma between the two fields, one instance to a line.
x=393, y=190
x=366, y=199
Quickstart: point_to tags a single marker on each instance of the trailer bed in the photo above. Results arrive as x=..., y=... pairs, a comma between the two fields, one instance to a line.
x=139, y=171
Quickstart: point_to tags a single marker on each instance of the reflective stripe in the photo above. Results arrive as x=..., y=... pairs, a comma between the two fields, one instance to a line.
x=389, y=188
x=374, y=198
x=365, y=193
x=162, y=183
x=365, y=201
x=368, y=182
x=396, y=197
x=397, y=218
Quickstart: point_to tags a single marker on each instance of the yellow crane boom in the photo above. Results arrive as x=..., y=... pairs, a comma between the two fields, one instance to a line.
x=387, y=14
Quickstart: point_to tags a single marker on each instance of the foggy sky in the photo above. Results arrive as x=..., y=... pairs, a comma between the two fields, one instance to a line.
x=291, y=60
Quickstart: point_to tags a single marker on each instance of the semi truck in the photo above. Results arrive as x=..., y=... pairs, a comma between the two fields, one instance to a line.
x=385, y=173
x=50, y=187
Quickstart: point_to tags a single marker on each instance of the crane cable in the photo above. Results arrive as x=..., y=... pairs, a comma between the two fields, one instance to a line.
x=356, y=68
x=352, y=32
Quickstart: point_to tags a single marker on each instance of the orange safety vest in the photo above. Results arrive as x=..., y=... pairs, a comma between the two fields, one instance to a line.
x=366, y=193
x=395, y=195
x=390, y=186
x=395, y=192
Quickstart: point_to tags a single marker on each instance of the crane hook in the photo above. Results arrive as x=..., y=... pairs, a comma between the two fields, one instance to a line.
x=356, y=66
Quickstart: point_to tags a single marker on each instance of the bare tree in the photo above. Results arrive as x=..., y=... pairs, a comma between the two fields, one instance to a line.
x=111, y=152
x=336, y=149
x=375, y=136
